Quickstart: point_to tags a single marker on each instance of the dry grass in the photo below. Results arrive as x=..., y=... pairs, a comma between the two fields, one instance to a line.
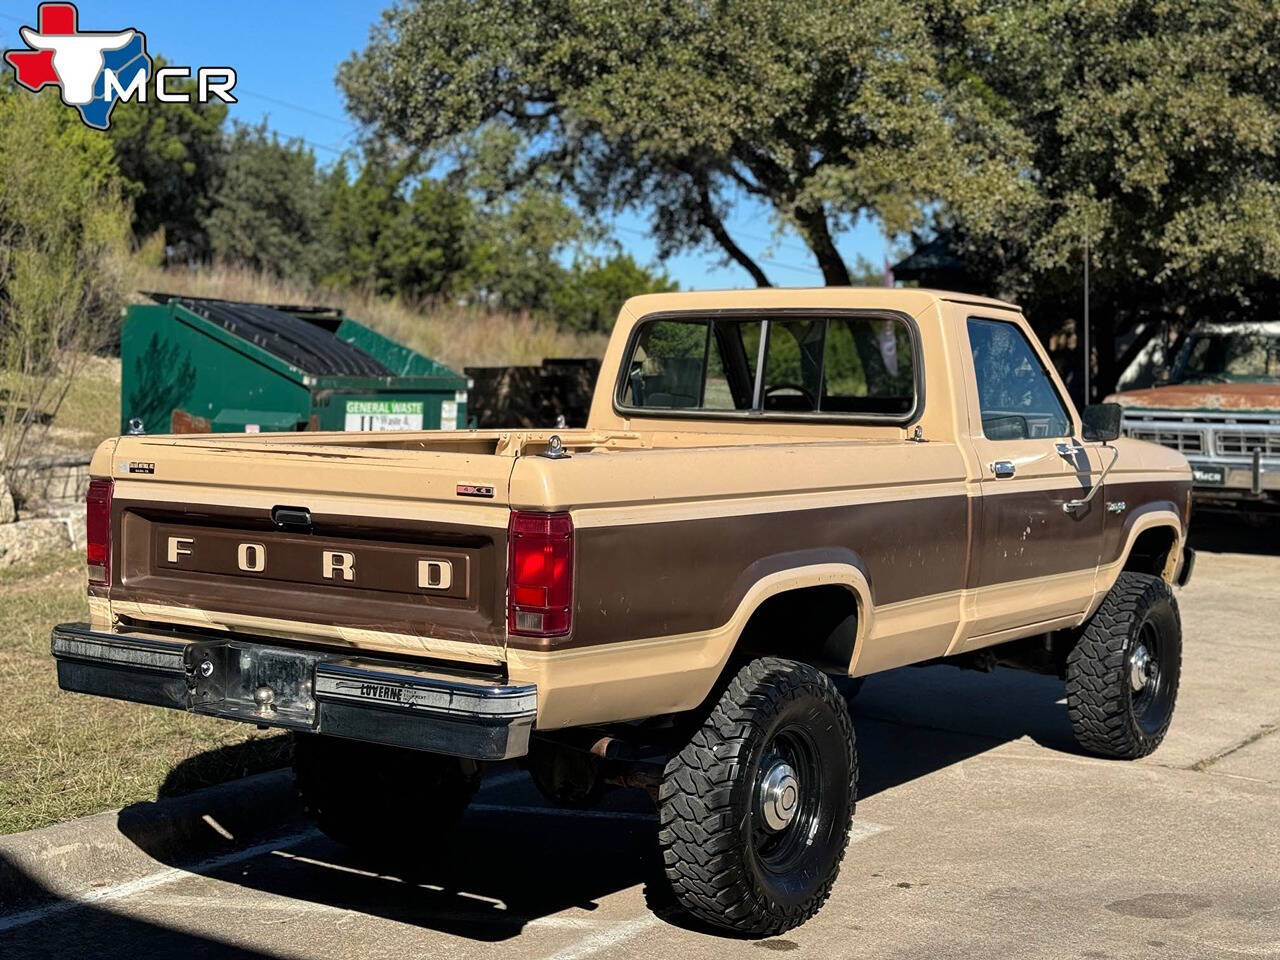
x=457, y=336
x=65, y=755
x=89, y=413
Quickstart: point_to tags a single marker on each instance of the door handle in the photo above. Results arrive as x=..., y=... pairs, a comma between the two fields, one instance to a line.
x=1003, y=469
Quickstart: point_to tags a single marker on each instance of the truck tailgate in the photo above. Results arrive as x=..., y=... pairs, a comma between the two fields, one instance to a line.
x=389, y=544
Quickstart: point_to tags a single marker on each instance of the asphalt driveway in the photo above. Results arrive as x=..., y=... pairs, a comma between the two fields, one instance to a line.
x=980, y=832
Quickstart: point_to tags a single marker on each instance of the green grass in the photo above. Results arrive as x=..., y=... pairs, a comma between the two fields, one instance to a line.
x=65, y=755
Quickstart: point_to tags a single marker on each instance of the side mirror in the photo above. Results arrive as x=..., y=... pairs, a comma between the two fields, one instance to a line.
x=1101, y=421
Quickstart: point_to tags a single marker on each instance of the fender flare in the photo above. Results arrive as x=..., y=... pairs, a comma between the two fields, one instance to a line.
x=799, y=570
x=1150, y=517
x=1160, y=513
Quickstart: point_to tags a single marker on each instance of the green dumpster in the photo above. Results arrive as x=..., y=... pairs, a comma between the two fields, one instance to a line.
x=192, y=365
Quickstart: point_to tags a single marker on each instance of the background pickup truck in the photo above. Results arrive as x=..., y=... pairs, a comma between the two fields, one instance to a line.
x=1219, y=406
x=774, y=488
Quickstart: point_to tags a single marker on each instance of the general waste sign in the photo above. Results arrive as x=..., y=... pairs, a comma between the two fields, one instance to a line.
x=384, y=415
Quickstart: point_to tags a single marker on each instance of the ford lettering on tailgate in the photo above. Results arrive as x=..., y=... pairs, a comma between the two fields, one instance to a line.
x=401, y=568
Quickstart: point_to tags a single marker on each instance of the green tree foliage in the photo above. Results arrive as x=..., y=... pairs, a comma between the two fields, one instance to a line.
x=516, y=239
x=170, y=154
x=64, y=240
x=822, y=111
x=593, y=290
x=268, y=209
x=395, y=232
x=470, y=235
x=1149, y=129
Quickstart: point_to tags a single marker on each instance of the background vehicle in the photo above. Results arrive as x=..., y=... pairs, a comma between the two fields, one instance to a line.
x=775, y=487
x=1220, y=407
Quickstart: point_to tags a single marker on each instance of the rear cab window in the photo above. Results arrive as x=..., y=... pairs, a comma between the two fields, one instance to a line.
x=858, y=366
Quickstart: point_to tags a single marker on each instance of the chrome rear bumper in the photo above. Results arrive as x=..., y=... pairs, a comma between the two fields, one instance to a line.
x=392, y=702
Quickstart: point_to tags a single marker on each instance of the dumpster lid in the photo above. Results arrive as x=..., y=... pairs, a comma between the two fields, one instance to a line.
x=297, y=340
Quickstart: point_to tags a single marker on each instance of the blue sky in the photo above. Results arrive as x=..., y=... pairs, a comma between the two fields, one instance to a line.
x=287, y=52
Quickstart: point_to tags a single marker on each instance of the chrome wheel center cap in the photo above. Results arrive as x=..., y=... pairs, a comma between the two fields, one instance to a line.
x=779, y=796
x=1142, y=669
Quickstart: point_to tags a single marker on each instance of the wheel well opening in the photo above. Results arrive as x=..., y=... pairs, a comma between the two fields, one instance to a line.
x=815, y=625
x=1150, y=553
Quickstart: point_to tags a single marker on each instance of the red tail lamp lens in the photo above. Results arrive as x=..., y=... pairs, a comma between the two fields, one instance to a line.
x=98, y=531
x=539, y=574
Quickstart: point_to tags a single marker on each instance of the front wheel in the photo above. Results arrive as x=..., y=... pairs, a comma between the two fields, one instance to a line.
x=754, y=811
x=1123, y=673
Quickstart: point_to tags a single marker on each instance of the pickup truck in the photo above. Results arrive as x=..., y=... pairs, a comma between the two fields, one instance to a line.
x=1219, y=406
x=777, y=494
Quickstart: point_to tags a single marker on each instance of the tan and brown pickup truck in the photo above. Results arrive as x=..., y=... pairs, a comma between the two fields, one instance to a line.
x=774, y=488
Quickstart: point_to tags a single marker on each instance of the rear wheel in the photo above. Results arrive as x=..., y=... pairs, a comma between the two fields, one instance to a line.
x=1123, y=673
x=385, y=800
x=754, y=811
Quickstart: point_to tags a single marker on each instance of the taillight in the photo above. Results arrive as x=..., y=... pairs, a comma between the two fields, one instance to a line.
x=539, y=574
x=98, y=531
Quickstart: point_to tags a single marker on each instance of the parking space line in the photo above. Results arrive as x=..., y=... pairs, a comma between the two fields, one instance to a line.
x=620, y=933
x=130, y=888
x=602, y=940
x=609, y=937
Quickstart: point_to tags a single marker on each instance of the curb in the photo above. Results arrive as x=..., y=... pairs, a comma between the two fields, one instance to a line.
x=68, y=860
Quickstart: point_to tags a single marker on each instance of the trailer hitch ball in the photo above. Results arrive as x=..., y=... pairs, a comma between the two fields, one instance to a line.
x=265, y=698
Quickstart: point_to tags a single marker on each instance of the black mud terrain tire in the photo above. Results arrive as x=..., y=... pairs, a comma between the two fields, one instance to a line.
x=383, y=800
x=740, y=851
x=1123, y=672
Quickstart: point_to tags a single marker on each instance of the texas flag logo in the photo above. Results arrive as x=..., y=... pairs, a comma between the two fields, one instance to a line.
x=92, y=69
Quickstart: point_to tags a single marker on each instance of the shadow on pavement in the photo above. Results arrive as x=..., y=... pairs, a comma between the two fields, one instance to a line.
x=91, y=931
x=227, y=763
x=1230, y=531
x=511, y=860
x=915, y=721
x=514, y=860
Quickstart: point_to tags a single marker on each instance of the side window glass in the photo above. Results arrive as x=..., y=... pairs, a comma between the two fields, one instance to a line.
x=666, y=366
x=1015, y=395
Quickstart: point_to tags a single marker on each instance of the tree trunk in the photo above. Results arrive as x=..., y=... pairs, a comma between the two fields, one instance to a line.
x=715, y=225
x=816, y=233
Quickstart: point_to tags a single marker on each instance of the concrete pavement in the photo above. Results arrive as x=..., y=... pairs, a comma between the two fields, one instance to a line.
x=980, y=832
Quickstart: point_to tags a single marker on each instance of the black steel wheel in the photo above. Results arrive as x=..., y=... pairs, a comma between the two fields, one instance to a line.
x=1123, y=673
x=755, y=810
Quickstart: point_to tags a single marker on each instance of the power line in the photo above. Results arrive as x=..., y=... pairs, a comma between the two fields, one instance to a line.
x=772, y=263
x=299, y=107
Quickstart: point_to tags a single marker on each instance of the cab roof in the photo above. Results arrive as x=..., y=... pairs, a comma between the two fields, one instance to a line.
x=909, y=300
